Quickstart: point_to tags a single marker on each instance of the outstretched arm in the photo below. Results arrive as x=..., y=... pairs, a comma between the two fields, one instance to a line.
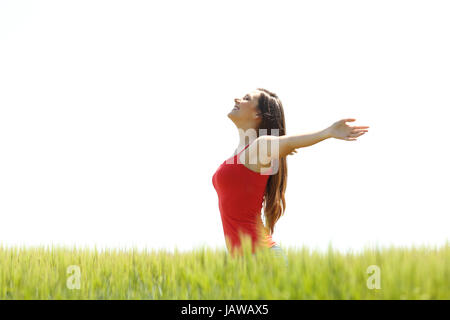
x=288, y=144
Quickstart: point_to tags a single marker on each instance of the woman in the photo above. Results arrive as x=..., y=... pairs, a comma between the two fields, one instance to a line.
x=258, y=176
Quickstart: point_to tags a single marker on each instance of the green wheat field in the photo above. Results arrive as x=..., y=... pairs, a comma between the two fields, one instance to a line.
x=205, y=273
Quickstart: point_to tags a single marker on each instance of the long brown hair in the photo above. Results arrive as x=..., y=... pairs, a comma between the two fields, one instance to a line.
x=272, y=114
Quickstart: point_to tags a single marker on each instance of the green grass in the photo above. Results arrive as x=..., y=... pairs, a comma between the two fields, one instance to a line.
x=205, y=273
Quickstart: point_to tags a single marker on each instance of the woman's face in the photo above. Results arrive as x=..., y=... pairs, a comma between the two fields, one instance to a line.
x=245, y=109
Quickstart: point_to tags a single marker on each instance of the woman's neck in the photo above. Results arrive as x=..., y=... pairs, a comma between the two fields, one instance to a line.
x=243, y=138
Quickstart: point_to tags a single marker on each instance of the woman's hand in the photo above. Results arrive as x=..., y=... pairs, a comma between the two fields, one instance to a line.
x=340, y=130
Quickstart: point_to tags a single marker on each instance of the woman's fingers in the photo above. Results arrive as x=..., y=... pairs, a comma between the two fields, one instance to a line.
x=360, y=127
x=348, y=120
x=358, y=130
x=356, y=134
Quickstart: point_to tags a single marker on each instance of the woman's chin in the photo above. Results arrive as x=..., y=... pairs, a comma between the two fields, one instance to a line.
x=232, y=113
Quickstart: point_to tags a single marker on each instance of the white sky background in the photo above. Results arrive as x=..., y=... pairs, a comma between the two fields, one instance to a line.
x=113, y=118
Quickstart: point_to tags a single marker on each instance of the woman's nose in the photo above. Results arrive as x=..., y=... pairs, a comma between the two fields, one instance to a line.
x=236, y=100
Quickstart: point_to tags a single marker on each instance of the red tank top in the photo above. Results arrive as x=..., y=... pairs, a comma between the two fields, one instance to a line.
x=240, y=192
